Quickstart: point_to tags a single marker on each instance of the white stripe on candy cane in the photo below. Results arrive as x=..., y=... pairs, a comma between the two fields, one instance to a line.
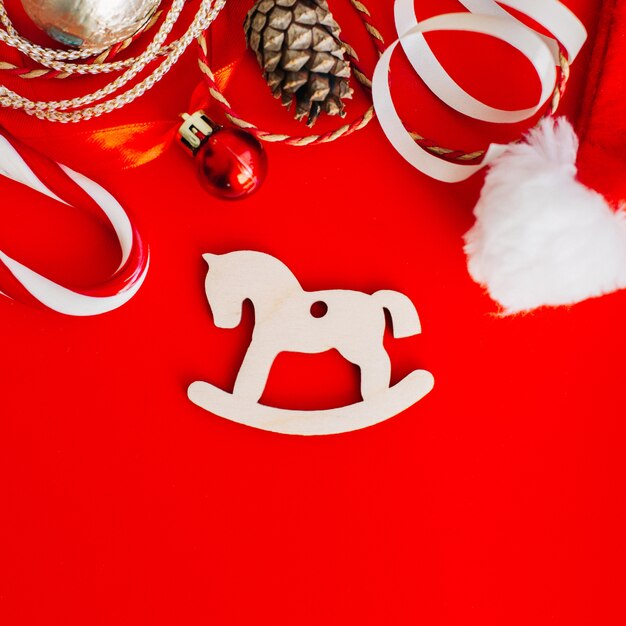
x=51, y=294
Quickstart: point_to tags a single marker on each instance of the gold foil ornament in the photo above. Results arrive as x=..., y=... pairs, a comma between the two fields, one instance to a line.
x=90, y=24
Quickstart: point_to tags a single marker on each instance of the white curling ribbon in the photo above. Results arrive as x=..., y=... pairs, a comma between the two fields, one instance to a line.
x=529, y=43
x=49, y=293
x=485, y=17
x=555, y=17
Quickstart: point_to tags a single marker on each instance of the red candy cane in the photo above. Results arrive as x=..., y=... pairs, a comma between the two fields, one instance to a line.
x=19, y=282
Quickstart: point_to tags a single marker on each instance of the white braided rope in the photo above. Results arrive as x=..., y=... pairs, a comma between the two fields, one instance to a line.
x=77, y=109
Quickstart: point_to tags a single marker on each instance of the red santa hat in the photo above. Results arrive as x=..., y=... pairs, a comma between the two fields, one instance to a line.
x=550, y=227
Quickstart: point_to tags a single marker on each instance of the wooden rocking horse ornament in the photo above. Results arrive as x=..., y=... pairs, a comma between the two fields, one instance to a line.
x=353, y=323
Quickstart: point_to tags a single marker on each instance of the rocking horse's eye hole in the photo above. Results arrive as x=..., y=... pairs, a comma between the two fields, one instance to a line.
x=319, y=309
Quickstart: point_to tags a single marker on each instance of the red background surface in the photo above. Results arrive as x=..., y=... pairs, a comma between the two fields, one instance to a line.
x=498, y=499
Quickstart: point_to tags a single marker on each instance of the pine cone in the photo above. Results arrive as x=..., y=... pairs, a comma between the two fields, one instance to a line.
x=297, y=44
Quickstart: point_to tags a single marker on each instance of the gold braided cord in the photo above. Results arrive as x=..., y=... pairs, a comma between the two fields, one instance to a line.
x=460, y=156
x=303, y=140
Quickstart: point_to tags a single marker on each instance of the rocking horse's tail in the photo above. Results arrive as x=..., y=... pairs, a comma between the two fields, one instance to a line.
x=403, y=314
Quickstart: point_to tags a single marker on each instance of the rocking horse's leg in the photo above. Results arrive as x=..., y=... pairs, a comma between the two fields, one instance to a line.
x=375, y=373
x=254, y=371
x=375, y=369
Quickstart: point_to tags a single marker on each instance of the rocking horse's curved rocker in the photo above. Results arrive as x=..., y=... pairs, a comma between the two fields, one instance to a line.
x=353, y=324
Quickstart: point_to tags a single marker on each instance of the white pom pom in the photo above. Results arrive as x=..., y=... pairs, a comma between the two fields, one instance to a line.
x=541, y=237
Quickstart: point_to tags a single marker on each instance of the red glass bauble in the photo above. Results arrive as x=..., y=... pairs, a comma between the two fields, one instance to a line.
x=231, y=163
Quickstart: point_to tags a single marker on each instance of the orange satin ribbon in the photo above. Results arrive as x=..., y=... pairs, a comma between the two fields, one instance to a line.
x=132, y=145
x=119, y=147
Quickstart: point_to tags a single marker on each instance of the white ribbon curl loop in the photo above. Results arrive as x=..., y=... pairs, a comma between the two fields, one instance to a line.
x=485, y=17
